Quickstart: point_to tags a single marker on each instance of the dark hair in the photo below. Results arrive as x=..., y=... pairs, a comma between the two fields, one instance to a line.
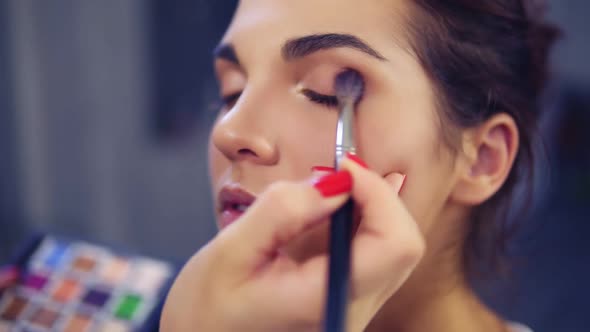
x=486, y=57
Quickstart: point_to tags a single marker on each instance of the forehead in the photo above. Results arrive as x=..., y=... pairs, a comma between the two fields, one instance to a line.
x=268, y=23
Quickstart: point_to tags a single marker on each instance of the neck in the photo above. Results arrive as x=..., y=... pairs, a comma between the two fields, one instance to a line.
x=458, y=310
x=437, y=297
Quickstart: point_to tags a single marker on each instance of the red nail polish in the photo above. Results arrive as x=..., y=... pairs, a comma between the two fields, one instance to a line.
x=356, y=159
x=334, y=184
x=323, y=169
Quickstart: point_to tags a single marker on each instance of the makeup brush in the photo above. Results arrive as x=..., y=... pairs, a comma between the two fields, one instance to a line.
x=349, y=88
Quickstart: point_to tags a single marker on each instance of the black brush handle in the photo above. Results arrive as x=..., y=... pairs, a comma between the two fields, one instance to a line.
x=340, y=242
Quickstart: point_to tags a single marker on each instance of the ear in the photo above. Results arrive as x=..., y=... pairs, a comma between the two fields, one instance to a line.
x=489, y=151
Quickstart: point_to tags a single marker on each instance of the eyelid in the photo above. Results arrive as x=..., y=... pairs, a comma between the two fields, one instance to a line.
x=322, y=99
x=231, y=82
x=231, y=96
x=229, y=99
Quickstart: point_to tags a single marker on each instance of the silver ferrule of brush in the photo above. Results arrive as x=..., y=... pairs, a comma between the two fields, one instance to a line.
x=345, y=133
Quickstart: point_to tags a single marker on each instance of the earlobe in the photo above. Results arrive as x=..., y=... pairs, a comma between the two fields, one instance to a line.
x=489, y=151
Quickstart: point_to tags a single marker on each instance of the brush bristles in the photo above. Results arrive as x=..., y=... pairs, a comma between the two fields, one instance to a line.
x=349, y=87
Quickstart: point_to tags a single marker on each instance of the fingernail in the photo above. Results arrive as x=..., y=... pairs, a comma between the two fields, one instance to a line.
x=356, y=159
x=323, y=169
x=396, y=180
x=334, y=184
x=403, y=183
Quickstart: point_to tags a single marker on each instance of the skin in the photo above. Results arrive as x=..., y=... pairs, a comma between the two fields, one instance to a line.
x=273, y=132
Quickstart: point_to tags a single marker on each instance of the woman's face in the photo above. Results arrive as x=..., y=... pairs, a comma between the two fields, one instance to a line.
x=273, y=54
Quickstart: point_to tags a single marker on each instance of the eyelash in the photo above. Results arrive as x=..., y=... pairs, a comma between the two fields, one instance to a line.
x=318, y=98
x=324, y=100
x=228, y=100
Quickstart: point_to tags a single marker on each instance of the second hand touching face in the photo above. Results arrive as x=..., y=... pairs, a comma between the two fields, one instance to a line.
x=276, y=65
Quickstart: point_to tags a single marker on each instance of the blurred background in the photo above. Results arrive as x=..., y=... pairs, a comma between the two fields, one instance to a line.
x=105, y=110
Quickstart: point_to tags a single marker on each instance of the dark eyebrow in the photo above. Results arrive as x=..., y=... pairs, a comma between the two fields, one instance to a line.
x=226, y=52
x=304, y=46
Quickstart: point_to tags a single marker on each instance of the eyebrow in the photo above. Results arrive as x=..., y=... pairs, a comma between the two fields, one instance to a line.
x=297, y=48
x=226, y=52
x=300, y=47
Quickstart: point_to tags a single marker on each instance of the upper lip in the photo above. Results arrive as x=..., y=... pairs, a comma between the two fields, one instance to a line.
x=234, y=194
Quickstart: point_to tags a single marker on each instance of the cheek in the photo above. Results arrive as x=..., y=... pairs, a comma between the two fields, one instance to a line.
x=218, y=163
x=430, y=183
x=396, y=137
x=396, y=140
x=308, y=140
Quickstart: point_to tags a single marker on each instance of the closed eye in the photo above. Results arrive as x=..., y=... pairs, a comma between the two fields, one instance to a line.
x=228, y=101
x=325, y=100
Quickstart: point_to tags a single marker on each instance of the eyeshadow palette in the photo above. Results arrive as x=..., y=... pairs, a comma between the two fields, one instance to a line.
x=75, y=286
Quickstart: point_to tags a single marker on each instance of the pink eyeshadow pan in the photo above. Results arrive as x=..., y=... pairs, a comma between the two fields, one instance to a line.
x=45, y=317
x=114, y=326
x=116, y=270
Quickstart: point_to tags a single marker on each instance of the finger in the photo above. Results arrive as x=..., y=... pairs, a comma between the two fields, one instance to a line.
x=388, y=243
x=280, y=214
x=305, y=284
x=375, y=197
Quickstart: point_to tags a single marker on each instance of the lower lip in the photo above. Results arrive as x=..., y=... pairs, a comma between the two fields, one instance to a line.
x=229, y=216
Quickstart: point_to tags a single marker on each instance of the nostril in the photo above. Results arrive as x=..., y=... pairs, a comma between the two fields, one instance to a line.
x=247, y=152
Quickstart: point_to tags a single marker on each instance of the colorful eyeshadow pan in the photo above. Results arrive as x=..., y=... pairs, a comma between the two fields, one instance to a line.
x=67, y=290
x=114, y=326
x=55, y=255
x=84, y=263
x=150, y=276
x=128, y=306
x=79, y=323
x=44, y=317
x=35, y=281
x=14, y=308
x=116, y=271
x=96, y=297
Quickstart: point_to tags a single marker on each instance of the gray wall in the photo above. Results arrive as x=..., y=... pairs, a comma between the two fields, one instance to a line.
x=90, y=164
x=572, y=54
x=10, y=195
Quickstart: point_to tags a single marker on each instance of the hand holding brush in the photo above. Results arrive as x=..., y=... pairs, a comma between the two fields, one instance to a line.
x=241, y=281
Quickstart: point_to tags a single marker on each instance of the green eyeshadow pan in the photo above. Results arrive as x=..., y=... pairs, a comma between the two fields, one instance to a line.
x=128, y=306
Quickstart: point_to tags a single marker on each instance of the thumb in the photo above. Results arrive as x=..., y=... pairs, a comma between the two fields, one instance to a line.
x=279, y=215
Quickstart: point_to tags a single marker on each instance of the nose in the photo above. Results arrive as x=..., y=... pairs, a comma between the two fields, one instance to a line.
x=239, y=135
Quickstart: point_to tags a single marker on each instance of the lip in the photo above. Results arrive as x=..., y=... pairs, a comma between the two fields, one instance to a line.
x=229, y=197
